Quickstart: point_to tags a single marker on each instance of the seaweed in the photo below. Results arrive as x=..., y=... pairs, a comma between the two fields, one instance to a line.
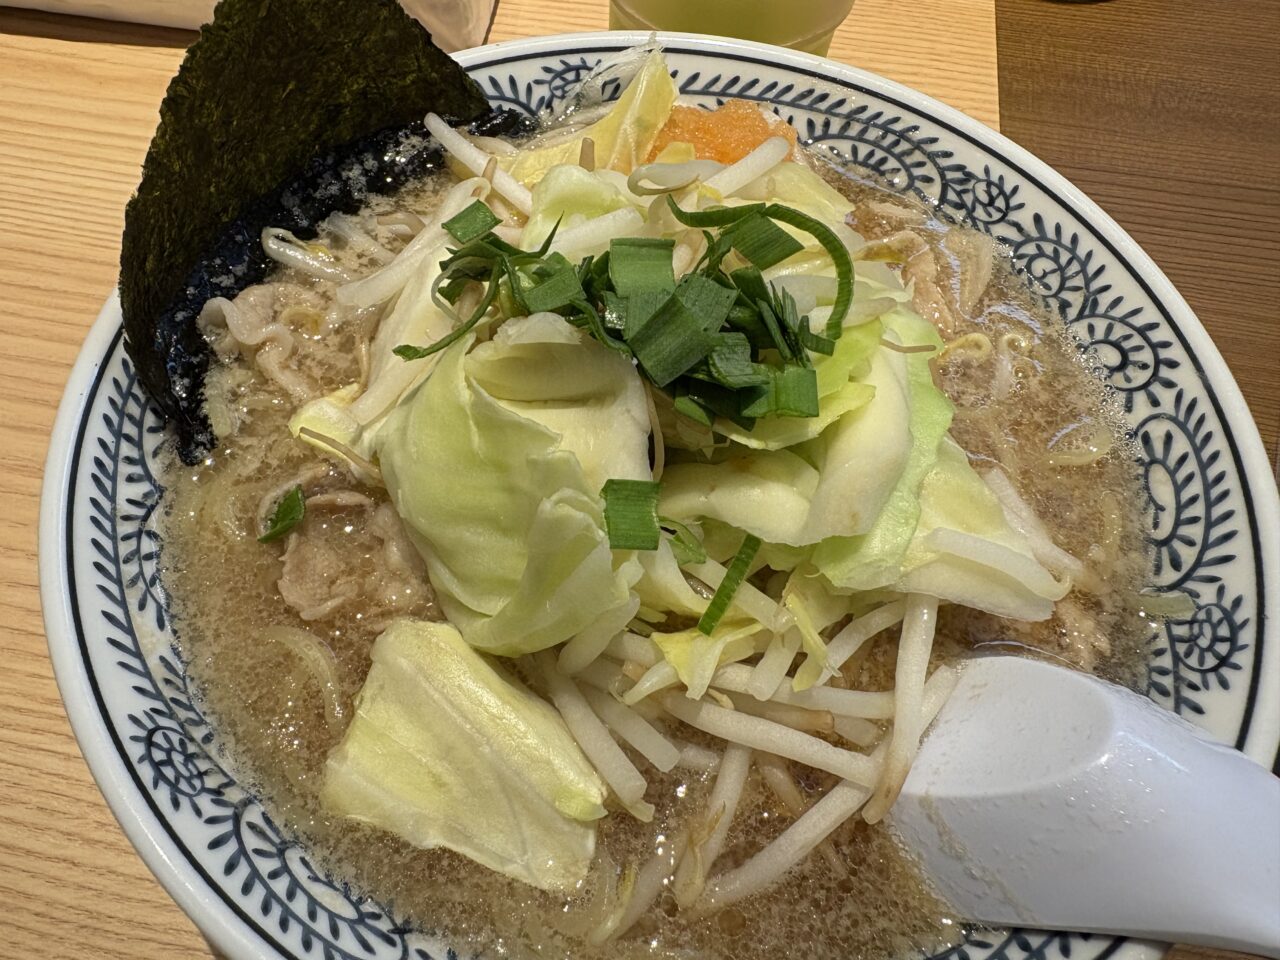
x=282, y=112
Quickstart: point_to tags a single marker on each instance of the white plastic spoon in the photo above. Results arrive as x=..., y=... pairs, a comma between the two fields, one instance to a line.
x=1046, y=798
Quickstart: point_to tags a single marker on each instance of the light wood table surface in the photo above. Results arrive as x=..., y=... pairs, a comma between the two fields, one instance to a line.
x=78, y=102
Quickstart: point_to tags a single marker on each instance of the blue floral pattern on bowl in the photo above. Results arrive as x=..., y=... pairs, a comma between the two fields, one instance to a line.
x=1201, y=515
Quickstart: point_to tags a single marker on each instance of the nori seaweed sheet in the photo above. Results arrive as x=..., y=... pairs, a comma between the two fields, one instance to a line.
x=283, y=112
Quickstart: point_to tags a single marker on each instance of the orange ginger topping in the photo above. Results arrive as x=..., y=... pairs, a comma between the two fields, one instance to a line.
x=727, y=134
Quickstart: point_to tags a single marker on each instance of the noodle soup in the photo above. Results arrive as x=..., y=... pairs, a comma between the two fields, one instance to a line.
x=743, y=741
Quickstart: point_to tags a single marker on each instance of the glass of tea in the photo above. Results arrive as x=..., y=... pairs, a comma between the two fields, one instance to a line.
x=801, y=24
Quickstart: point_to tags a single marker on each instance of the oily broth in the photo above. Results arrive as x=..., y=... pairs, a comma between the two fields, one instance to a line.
x=270, y=712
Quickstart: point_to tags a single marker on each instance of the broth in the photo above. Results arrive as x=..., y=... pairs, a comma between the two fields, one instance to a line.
x=1029, y=403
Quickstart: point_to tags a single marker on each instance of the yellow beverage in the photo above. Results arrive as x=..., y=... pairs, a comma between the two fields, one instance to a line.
x=802, y=24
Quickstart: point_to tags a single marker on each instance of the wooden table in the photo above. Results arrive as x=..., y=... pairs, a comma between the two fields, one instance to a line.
x=78, y=103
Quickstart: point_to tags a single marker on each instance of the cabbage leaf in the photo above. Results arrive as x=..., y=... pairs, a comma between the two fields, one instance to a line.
x=965, y=551
x=500, y=492
x=446, y=751
x=623, y=137
x=902, y=428
x=696, y=656
x=570, y=196
x=833, y=486
x=353, y=416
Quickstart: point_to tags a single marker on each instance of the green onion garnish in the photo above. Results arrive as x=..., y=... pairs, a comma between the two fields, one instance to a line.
x=686, y=547
x=288, y=514
x=641, y=264
x=730, y=362
x=472, y=223
x=733, y=578
x=631, y=514
x=721, y=344
x=452, y=289
x=407, y=351
x=596, y=326
x=762, y=242
x=790, y=392
x=681, y=333
x=693, y=408
x=559, y=288
x=835, y=250
x=812, y=341
x=715, y=217
x=641, y=307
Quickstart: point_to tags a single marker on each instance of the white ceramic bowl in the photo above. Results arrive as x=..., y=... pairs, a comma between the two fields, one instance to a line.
x=1213, y=514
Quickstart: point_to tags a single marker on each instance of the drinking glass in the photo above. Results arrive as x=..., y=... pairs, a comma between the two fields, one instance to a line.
x=802, y=24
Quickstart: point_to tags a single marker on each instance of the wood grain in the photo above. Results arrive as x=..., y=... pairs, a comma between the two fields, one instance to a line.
x=78, y=104
x=1165, y=112
x=944, y=48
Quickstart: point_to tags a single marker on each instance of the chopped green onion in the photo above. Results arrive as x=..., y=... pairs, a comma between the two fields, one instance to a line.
x=631, y=514
x=614, y=316
x=482, y=253
x=791, y=392
x=693, y=408
x=686, y=547
x=593, y=274
x=640, y=309
x=515, y=284
x=706, y=299
x=560, y=288
x=746, y=320
x=718, y=248
x=452, y=290
x=835, y=249
x=472, y=223
x=716, y=217
x=721, y=401
x=638, y=264
x=784, y=306
x=751, y=283
x=733, y=578
x=761, y=241
x=596, y=327
x=812, y=341
x=671, y=342
x=770, y=321
x=680, y=333
x=731, y=365
x=288, y=514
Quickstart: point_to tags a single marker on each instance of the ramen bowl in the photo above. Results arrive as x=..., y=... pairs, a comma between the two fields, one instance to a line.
x=1210, y=511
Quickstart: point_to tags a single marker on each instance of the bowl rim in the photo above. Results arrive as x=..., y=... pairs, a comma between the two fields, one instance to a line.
x=224, y=925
